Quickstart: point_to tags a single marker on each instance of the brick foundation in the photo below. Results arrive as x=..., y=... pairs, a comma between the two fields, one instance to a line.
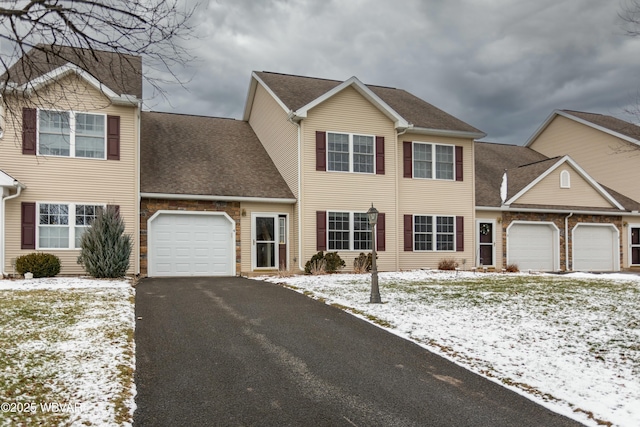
x=148, y=207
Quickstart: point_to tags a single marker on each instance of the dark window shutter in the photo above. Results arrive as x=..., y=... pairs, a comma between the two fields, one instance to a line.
x=408, y=233
x=380, y=233
x=28, y=230
x=321, y=151
x=113, y=137
x=407, y=159
x=321, y=230
x=115, y=208
x=29, y=129
x=459, y=233
x=380, y=155
x=459, y=171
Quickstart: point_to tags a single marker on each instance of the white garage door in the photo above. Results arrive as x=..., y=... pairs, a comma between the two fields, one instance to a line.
x=191, y=245
x=595, y=248
x=532, y=246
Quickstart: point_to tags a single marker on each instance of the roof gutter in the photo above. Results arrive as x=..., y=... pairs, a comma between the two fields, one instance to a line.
x=556, y=211
x=173, y=196
x=448, y=133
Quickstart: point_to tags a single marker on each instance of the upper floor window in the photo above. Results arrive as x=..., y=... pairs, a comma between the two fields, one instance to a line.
x=71, y=134
x=350, y=153
x=433, y=161
x=61, y=225
x=565, y=179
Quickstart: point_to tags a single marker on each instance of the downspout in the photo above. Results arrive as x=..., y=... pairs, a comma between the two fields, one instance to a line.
x=566, y=241
x=2, y=214
x=292, y=114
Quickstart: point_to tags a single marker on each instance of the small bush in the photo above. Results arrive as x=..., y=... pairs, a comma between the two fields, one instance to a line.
x=447, y=264
x=362, y=263
x=105, y=248
x=332, y=260
x=39, y=264
x=318, y=267
x=512, y=268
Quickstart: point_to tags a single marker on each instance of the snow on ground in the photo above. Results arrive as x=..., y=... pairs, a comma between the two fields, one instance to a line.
x=571, y=343
x=71, y=348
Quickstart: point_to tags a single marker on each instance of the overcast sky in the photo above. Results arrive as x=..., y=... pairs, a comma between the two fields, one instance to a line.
x=500, y=65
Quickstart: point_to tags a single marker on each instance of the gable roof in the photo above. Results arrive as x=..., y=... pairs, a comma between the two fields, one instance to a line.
x=206, y=156
x=524, y=168
x=297, y=94
x=608, y=124
x=120, y=73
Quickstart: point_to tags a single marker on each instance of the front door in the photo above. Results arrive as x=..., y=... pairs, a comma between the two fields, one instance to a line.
x=635, y=245
x=269, y=249
x=485, y=243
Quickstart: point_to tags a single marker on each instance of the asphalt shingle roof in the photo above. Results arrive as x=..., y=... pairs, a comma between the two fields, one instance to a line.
x=620, y=126
x=183, y=154
x=297, y=91
x=523, y=165
x=120, y=73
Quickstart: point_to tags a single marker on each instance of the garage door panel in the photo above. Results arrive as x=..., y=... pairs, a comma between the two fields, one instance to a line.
x=532, y=246
x=190, y=244
x=594, y=248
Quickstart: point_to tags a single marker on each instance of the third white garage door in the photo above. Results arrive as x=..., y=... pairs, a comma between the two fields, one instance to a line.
x=595, y=247
x=533, y=246
x=190, y=244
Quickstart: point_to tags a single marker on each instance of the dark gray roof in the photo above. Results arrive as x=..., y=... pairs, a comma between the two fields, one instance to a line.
x=297, y=91
x=491, y=161
x=182, y=154
x=616, y=125
x=119, y=72
x=523, y=165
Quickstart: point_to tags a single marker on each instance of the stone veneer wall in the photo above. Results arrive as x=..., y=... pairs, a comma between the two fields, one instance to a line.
x=148, y=207
x=558, y=220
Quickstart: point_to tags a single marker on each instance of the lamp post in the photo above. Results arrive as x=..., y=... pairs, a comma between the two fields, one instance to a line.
x=372, y=214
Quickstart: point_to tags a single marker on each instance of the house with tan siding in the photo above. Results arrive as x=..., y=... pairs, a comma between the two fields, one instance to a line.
x=69, y=147
x=547, y=214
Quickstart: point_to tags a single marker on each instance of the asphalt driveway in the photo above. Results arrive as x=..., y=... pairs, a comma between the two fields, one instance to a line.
x=239, y=352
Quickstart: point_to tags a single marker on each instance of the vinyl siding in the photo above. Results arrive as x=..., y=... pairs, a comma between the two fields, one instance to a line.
x=247, y=210
x=73, y=180
x=548, y=192
x=348, y=112
x=278, y=136
x=606, y=158
x=437, y=197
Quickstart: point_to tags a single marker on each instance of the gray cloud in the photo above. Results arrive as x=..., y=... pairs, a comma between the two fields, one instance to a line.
x=500, y=65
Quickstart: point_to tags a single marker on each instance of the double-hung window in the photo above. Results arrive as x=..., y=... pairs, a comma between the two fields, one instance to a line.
x=429, y=229
x=350, y=153
x=71, y=134
x=348, y=231
x=433, y=161
x=61, y=225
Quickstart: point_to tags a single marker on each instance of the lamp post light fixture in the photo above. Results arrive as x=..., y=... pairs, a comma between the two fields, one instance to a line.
x=372, y=214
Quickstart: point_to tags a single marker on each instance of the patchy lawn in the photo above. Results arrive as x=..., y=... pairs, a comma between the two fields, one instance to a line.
x=66, y=352
x=571, y=342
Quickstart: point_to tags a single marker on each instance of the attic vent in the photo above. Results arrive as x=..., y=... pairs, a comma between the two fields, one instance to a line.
x=565, y=179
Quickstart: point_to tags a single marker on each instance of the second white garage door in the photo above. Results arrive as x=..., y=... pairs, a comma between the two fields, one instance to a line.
x=533, y=246
x=190, y=244
x=595, y=248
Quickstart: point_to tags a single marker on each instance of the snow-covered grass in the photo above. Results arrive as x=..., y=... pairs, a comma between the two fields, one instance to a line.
x=570, y=342
x=66, y=352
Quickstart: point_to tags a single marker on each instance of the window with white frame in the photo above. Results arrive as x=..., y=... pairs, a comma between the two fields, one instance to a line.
x=71, y=134
x=425, y=233
x=348, y=231
x=433, y=161
x=61, y=225
x=565, y=179
x=350, y=153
